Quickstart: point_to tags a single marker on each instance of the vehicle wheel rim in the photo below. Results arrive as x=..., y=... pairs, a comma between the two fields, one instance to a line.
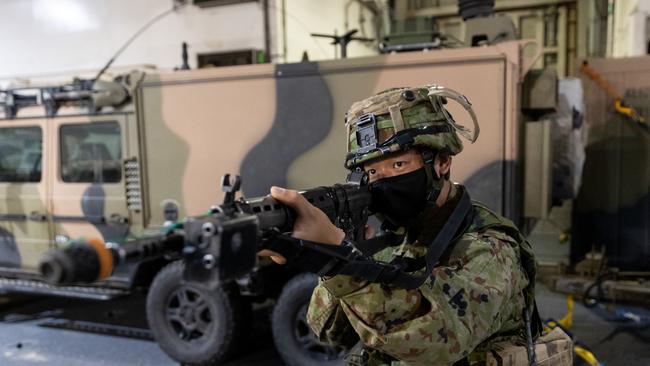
x=307, y=339
x=188, y=314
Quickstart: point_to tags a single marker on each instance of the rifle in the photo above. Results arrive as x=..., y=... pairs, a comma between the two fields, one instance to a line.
x=222, y=245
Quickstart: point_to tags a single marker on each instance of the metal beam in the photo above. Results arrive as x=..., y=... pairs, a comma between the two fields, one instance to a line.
x=501, y=5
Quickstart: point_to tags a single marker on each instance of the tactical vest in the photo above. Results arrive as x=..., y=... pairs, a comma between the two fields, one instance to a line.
x=554, y=348
x=485, y=219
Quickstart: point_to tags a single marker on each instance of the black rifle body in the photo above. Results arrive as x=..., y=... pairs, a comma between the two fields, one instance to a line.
x=218, y=246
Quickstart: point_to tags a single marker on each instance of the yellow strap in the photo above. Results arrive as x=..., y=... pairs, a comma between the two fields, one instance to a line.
x=623, y=110
x=628, y=111
x=586, y=355
x=567, y=321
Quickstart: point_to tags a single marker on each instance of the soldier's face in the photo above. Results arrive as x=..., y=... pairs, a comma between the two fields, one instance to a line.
x=403, y=163
x=393, y=165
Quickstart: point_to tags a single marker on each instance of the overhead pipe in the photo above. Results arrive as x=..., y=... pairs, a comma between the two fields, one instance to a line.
x=468, y=9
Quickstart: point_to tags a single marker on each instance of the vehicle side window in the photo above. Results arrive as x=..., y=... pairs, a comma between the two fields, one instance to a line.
x=20, y=154
x=91, y=153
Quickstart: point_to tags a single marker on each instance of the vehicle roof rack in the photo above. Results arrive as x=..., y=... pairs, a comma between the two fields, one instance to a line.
x=85, y=93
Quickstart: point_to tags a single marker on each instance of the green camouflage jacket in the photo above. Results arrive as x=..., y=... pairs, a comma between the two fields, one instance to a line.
x=478, y=291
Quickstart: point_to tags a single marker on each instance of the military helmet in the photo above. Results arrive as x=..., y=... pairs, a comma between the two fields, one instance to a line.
x=398, y=119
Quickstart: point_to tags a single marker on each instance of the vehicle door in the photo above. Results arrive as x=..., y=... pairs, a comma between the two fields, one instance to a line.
x=24, y=221
x=88, y=191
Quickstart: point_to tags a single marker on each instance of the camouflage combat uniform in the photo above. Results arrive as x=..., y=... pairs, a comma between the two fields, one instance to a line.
x=477, y=291
x=470, y=308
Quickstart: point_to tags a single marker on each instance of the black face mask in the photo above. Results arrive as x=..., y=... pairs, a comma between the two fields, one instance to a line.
x=400, y=198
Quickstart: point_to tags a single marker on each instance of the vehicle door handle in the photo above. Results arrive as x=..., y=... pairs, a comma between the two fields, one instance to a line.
x=61, y=239
x=118, y=219
x=36, y=216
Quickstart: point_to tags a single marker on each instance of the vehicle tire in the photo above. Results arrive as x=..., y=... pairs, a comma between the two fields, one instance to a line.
x=193, y=324
x=294, y=340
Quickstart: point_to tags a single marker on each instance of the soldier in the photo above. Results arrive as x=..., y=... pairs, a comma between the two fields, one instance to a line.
x=480, y=295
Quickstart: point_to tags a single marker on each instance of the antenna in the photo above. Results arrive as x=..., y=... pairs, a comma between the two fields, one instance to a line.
x=343, y=40
x=185, y=65
x=177, y=5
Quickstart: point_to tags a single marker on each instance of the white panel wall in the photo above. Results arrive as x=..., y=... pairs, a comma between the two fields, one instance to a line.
x=41, y=37
x=638, y=41
x=630, y=19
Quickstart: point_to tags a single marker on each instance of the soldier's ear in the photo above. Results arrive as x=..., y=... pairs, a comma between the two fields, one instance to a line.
x=442, y=164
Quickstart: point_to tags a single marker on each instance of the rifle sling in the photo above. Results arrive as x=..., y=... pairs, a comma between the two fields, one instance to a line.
x=330, y=260
x=373, y=246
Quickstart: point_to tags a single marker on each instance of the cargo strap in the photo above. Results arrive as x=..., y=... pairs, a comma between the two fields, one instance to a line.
x=347, y=259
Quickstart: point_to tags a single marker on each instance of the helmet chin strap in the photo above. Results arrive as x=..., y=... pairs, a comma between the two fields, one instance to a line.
x=435, y=183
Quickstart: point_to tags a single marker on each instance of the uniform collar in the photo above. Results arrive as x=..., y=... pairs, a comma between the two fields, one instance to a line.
x=429, y=223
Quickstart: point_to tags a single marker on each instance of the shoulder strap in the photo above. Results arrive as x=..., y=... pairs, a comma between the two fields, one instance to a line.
x=527, y=262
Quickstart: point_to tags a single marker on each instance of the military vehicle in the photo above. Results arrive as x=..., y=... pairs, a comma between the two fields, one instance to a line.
x=122, y=158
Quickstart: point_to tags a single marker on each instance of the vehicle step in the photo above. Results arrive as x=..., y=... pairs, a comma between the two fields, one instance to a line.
x=99, y=328
x=8, y=285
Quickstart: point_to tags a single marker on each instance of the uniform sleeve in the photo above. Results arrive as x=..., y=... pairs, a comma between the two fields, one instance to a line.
x=459, y=306
x=328, y=320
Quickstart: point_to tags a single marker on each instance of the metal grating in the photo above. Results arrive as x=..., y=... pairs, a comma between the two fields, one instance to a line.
x=8, y=285
x=132, y=181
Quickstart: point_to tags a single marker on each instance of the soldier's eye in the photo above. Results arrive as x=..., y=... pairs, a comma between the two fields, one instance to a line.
x=398, y=164
x=371, y=171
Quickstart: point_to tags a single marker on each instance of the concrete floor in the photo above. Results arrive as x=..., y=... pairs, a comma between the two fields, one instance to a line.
x=613, y=341
x=25, y=342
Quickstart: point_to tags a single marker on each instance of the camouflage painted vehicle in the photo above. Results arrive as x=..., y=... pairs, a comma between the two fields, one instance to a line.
x=121, y=169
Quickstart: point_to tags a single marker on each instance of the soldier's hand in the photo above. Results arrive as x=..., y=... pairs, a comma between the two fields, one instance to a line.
x=369, y=232
x=277, y=258
x=311, y=223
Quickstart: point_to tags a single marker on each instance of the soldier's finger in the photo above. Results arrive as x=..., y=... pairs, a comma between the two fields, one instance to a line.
x=291, y=198
x=369, y=232
x=277, y=258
